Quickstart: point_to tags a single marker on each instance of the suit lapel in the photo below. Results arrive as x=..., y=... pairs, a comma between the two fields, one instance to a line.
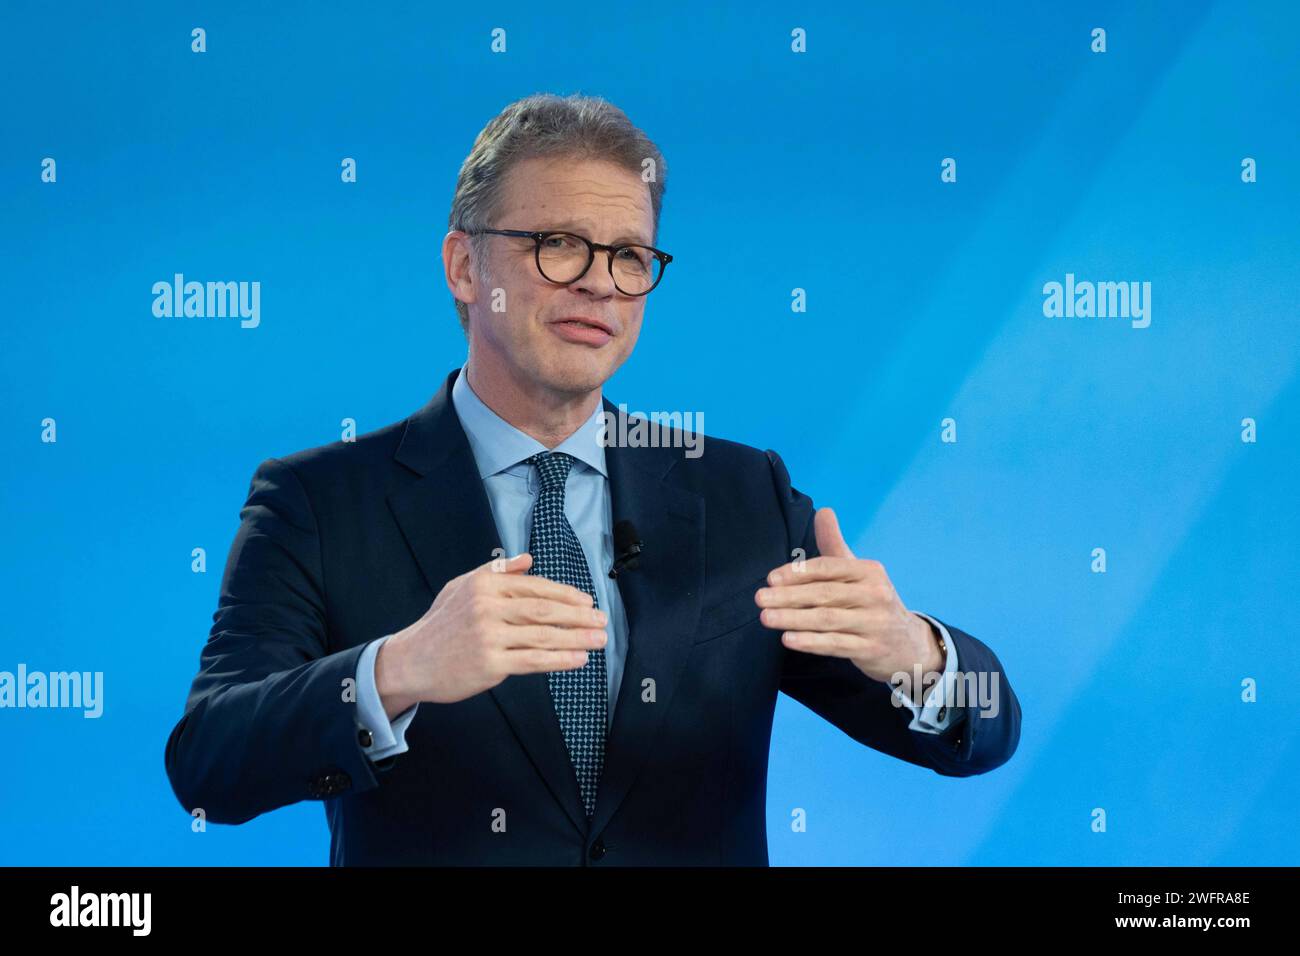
x=662, y=601
x=446, y=519
x=447, y=522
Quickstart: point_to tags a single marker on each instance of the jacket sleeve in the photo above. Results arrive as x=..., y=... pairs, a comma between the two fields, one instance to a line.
x=832, y=687
x=271, y=716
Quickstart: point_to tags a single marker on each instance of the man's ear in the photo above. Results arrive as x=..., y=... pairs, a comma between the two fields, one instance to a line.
x=463, y=281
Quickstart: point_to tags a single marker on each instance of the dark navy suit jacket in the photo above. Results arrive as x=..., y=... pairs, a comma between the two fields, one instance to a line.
x=344, y=543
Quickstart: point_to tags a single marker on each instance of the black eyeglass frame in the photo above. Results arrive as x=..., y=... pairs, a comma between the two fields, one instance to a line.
x=538, y=237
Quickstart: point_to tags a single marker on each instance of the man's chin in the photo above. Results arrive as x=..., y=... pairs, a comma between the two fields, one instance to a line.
x=577, y=375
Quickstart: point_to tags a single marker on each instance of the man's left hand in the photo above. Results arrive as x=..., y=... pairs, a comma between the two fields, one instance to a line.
x=843, y=606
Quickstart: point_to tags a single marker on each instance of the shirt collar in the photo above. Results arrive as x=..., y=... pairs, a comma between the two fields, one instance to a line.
x=497, y=445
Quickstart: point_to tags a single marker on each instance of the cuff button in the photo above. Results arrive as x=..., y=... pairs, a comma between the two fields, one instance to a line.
x=364, y=737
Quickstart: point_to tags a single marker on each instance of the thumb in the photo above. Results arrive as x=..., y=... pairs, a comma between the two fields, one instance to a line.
x=829, y=540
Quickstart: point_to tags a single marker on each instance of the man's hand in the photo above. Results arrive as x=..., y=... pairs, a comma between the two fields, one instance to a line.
x=484, y=626
x=842, y=606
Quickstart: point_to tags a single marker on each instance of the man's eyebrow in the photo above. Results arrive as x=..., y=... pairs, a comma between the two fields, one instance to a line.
x=582, y=229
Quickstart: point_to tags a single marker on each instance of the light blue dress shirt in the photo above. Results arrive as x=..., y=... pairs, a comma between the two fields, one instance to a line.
x=500, y=451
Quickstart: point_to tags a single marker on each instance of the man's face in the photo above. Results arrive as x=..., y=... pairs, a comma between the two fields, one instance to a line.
x=530, y=340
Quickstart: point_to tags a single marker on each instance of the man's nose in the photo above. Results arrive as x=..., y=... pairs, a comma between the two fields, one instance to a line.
x=597, y=279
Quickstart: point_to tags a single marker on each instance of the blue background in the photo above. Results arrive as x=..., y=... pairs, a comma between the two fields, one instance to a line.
x=817, y=171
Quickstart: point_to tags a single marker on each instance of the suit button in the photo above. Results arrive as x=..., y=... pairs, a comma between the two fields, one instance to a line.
x=329, y=783
x=364, y=737
x=597, y=849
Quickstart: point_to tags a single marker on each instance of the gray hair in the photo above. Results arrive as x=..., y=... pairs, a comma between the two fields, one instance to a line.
x=547, y=125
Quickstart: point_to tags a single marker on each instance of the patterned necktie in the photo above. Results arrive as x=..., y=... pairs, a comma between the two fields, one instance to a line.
x=580, y=696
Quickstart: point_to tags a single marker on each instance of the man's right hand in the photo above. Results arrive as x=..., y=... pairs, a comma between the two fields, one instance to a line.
x=487, y=624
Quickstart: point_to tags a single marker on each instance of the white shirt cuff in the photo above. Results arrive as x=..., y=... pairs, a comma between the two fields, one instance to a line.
x=386, y=738
x=935, y=716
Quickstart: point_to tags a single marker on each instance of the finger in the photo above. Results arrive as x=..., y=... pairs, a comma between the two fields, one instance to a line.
x=519, y=563
x=826, y=619
x=533, y=585
x=815, y=594
x=824, y=568
x=534, y=610
x=535, y=661
x=543, y=637
x=830, y=541
x=826, y=644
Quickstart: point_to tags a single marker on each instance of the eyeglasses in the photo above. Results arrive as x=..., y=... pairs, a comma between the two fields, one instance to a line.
x=563, y=257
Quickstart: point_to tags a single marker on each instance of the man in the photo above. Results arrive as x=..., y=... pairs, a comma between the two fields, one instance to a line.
x=420, y=627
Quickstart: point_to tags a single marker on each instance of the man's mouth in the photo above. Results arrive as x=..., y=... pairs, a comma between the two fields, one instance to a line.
x=583, y=330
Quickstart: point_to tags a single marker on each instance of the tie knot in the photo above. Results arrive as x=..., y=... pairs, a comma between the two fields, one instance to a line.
x=553, y=467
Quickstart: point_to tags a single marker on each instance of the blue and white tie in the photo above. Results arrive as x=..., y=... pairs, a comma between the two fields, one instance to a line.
x=580, y=696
